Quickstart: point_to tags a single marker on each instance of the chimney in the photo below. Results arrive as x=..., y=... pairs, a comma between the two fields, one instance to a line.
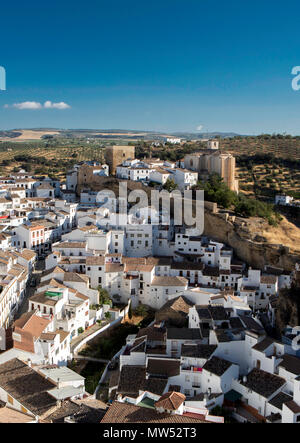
x=245, y=379
x=29, y=362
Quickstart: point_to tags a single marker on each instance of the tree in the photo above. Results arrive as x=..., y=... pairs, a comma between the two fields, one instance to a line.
x=104, y=298
x=170, y=185
x=142, y=310
x=107, y=315
x=215, y=190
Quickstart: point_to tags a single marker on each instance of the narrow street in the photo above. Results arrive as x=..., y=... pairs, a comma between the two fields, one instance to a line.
x=36, y=275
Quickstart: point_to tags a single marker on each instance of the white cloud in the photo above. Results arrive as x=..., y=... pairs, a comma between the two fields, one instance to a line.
x=61, y=105
x=36, y=105
x=27, y=105
x=199, y=128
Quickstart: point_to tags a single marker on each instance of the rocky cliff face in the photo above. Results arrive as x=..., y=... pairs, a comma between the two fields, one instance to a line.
x=244, y=236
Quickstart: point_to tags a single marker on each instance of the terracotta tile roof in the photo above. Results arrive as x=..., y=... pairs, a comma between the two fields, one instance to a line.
x=183, y=334
x=170, y=401
x=88, y=228
x=290, y=363
x=34, y=227
x=15, y=271
x=268, y=279
x=56, y=270
x=27, y=386
x=134, y=260
x=28, y=254
x=292, y=405
x=211, y=271
x=138, y=267
x=179, y=304
x=214, y=312
x=70, y=245
x=66, y=409
x=80, y=411
x=163, y=367
x=263, y=383
x=45, y=186
x=30, y=326
x=279, y=399
x=198, y=351
x=21, y=322
x=263, y=344
x=48, y=336
x=159, y=261
x=128, y=413
x=79, y=295
x=95, y=261
x=114, y=267
x=169, y=281
x=52, y=282
x=153, y=333
x=155, y=385
x=251, y=324
x=9, y=415
x=73, y=276
x=114, y=378
x=217, y=366
x=40, y=297
x=128, y=375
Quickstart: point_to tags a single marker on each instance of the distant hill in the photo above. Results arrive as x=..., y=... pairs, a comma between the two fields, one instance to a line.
x=204, y=135
x=132, y=134
x=10, y=134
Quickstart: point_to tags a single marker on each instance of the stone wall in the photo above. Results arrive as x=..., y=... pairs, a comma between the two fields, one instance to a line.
x=247, y=244
x=115, y=155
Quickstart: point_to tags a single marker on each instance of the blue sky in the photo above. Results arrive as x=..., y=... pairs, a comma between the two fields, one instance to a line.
x=167, y=65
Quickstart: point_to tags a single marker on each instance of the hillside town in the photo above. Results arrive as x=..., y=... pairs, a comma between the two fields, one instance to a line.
x=71, y=271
